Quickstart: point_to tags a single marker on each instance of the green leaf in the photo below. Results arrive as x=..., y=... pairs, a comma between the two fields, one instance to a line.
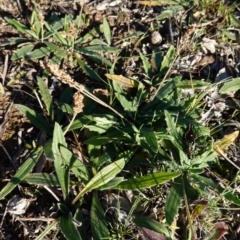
x=77, y=124
x=232, y=198
x=98, y=128
x=101, y=47
x=173, y=130
x=196, y=84
x=127, y=155
x=105, y=119
x=127, y=105
x=60, y=53
x=65, y=98
x=13, y=41
x=78, y=216
x=146, y=65
x=106, y=31
x=95, y=57
x=48, y=149
x=93, y=33
x=63, y=208
x=167, y=60
x=156, y=59
x=75, y=165
x=234, y=20
x=168, y=87
x=102, y=177
x=43, y=179
x=61, y=167
x=112, y=135
x=232, y=85
x=170, y=12
x=184, y=160
x=56, y=59
x=68, y=228
x=111, y=184
x=34, y=118
x=164, y=92
x=201, y=130
x=60, y=38
x=37, y=53
x=20, y=27
x=98, y=220
x=97, y=43
x=232, y=35
x=151, y=138
x=99, y=59
x=165, y=14
x=22, y=52
x=51, y=46
x=152, y=225
x=204, y=160
x=65, y=108
x=46, y=96
x=22, y=172
x=173, y=201
x=147, y=180
x=91, y=73
x=206, y=183
x=36, y=23
x=99, y=140
x=61, y=23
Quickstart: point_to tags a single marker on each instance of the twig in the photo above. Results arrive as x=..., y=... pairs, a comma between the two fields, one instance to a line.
x=43, y=219
x=226, y=158
x=170, y=30
x=5, y=69
x=70, y=123
x=53, y=194
x=9, y=157
x=25, y=226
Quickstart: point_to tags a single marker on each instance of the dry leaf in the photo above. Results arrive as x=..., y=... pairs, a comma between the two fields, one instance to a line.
x=17, y=205
x=100, y=91
x=209, y=45
x=206, y=60
x=219, y=230
x=126, y=82
x=198, y=209
x=152, y=235
x=223, y=144
x=153, y=3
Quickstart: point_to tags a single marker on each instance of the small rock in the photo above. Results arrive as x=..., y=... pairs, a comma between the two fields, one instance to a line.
x=156, y=38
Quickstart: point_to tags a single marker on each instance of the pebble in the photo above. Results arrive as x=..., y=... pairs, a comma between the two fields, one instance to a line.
x=156, y=38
